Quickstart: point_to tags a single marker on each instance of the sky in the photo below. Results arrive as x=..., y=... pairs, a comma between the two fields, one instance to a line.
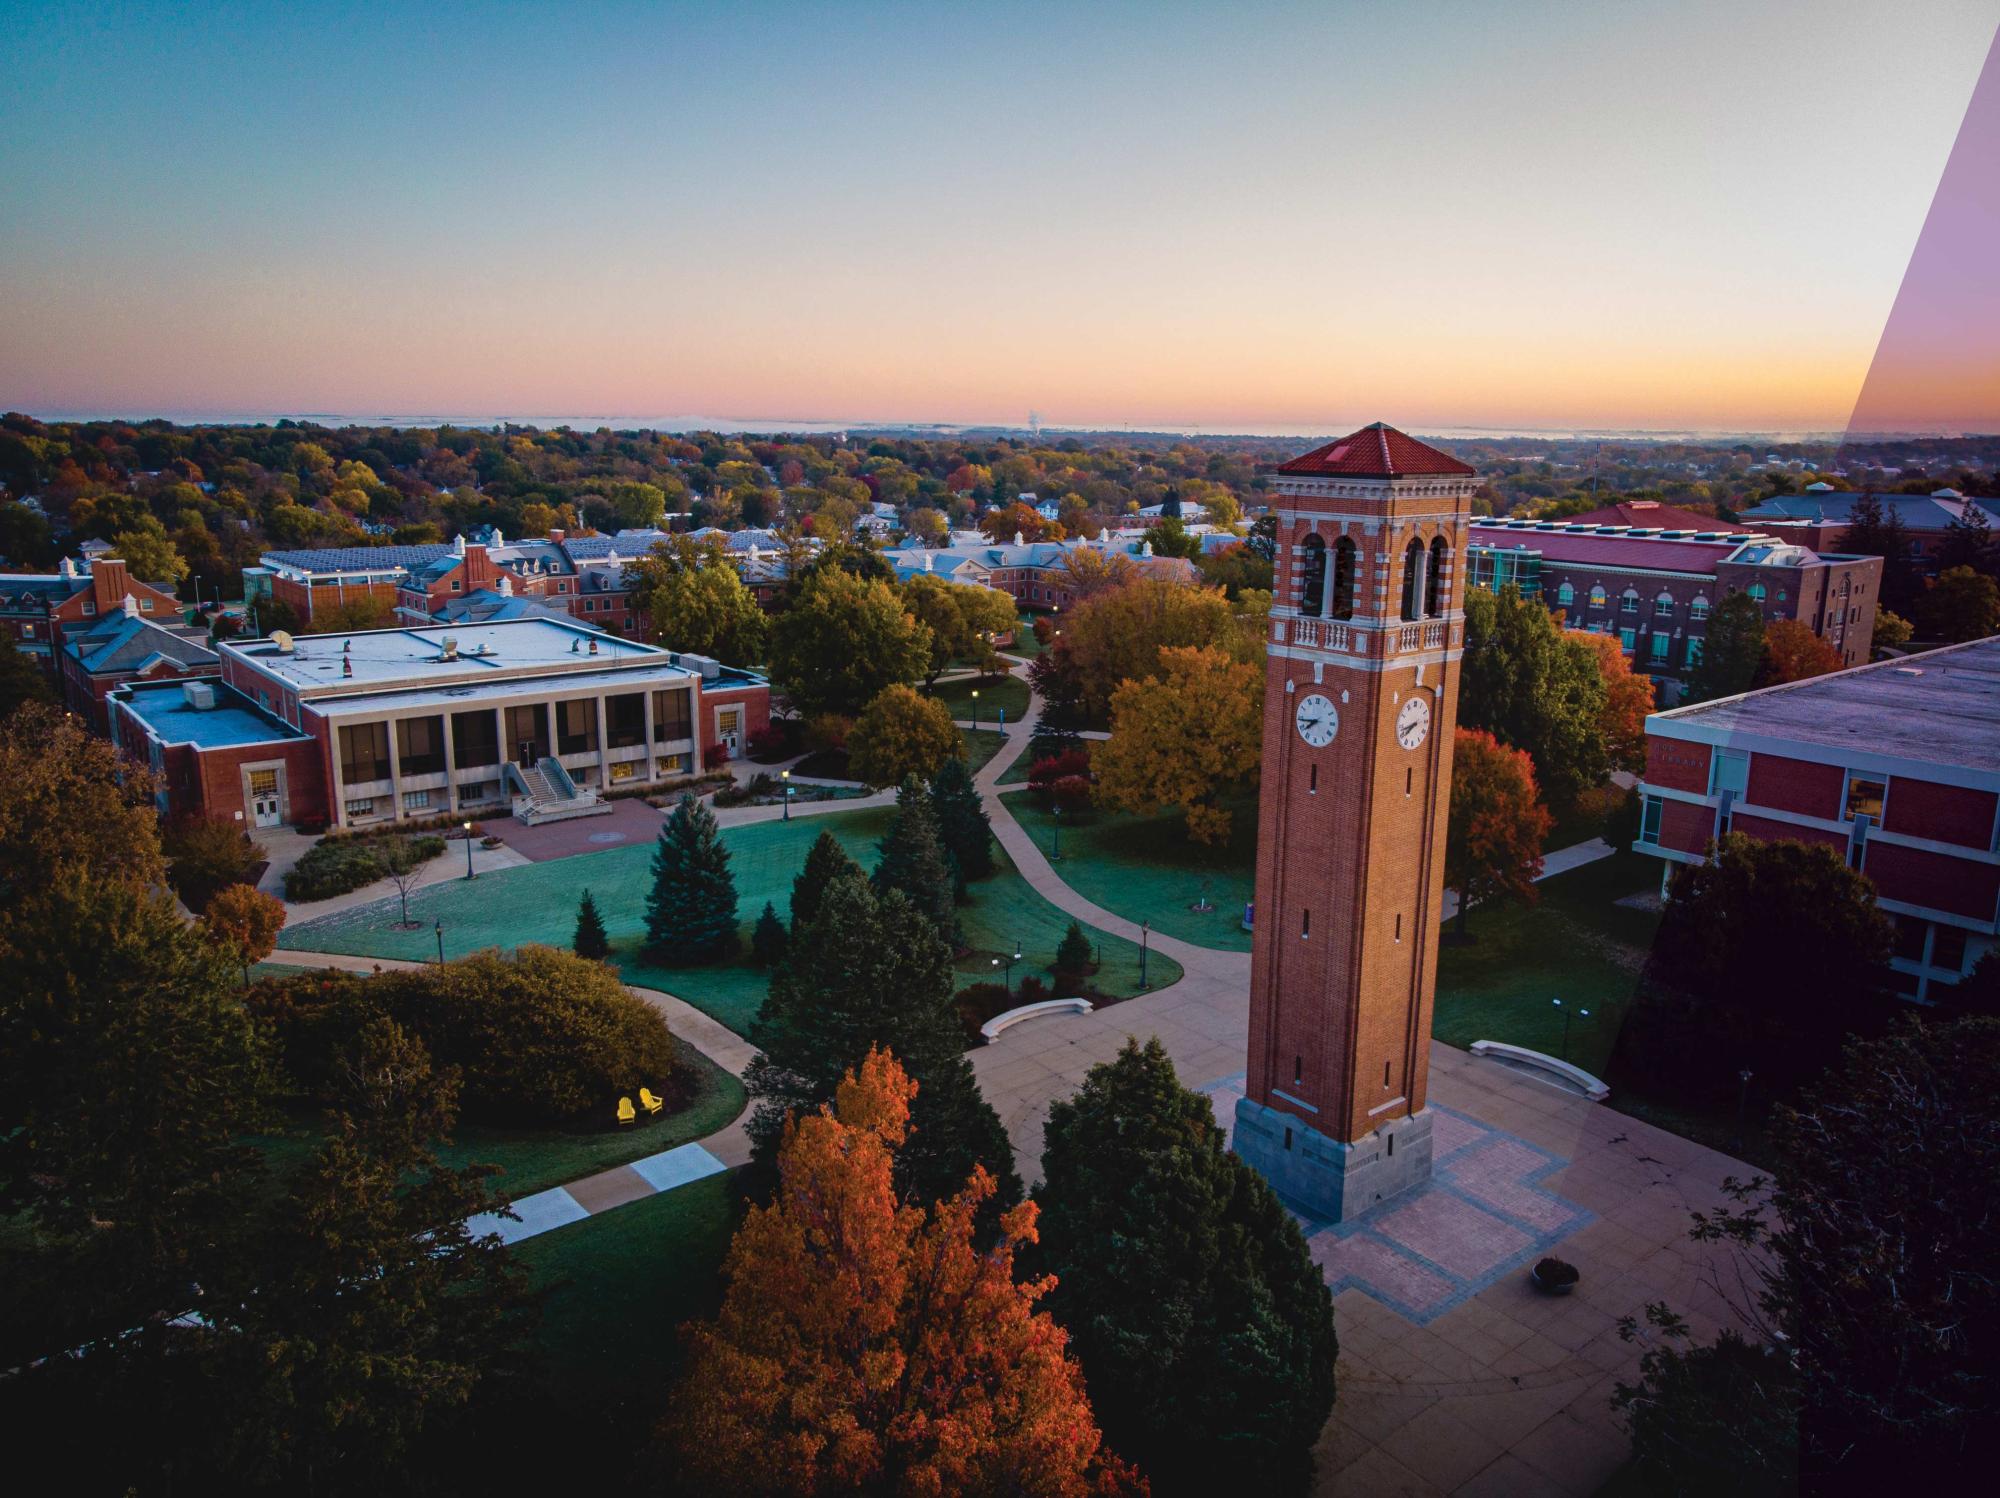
x=1223, y=217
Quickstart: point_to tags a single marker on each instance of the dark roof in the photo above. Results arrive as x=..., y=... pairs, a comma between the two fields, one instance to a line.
x=1648, y=512
x=123, y=642
x=359, y=558
x=1375, y=452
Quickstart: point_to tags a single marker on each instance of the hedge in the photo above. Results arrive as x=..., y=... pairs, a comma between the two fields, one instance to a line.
x=335, y=866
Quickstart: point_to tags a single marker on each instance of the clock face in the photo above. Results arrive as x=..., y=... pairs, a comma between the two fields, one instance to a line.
x=1318, y=720
x=1413, y=723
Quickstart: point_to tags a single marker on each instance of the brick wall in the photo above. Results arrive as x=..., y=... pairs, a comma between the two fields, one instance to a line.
x=1916, y=876
x=1940, y=813
x=1677, y=765
x=1796, y=785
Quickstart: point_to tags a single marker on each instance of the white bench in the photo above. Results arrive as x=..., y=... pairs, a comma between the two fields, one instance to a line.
x=992, y=1029
x=1572, y=1076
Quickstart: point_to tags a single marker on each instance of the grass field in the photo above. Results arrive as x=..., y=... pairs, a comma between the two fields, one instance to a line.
x=1576, y=944
x=981, y=744
x=537, y=903
x=532, y=1159
x=1145, y=869
x=995, y=693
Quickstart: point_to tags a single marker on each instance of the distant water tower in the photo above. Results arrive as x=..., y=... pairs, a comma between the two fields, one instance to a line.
x=1035, y=423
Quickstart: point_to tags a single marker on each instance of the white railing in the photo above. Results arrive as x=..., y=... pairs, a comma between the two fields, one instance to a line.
x=1322, y=633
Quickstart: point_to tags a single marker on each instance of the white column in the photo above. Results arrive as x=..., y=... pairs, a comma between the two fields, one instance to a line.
x=450, y=766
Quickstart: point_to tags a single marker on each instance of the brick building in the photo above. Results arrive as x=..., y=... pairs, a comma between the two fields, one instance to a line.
x=1820, y=517
x=40, y=610
x=1033, y=573
x=1655, y=588
x=1896, y=765
x=535, y=713
x=127, y=647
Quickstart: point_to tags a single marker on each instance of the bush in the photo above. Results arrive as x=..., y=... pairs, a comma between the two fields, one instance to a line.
x=827, y=731
x=1072, y=793
x=760, y=786
x=206, y=855
x=334, y=866
x=1045, y=772
x=979, y=1002
x=777, y=740
x=540, y=1036
x=714, y=754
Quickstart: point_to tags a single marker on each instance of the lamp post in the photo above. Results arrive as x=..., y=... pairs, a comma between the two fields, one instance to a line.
x=1145, y=944
x=786, y=776
x=1010, y=969
x=468, y=851
x=975, y=707
x=1742, y=1106
x=1056, y=812
x=1580, y=1014
x=440, y=937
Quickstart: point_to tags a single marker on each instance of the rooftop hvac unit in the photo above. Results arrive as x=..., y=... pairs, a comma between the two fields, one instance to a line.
x=200, y=695
x=707, y=665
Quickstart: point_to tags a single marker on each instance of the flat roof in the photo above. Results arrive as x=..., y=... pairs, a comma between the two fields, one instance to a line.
x=416, y=655
x=1939, y=707
x=232, y=722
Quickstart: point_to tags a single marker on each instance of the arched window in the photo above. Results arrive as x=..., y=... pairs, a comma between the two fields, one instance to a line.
x=1628, y=601
x=1598, y=597
x=1565, y=595
x=1757, y=592
x=1413, y=579
x=1699, y=608
x=1434, y=579
x=1664, y=604
x=1343, y=578
x=1314, y=563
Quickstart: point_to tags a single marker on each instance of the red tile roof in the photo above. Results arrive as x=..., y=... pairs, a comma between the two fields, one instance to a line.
x=1650, y=512
x=1375, y=452
x=1651, y=552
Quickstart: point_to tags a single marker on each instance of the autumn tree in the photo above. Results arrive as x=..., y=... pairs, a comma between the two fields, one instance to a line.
x=691, y=912
x=1891, y=630
x=1731, y=654
x=1534, y=688
x=1003, y=523
x=1118, y=636
x=1628, y=697
x=870, y=1344
x=865, y=971
x=962, y=619
x=902, y=733
x=150, y=553
x=1792, y=652
x=1960, y=605
x=1203, y=1324
x=842, y=641
x=246, y=921
x=1494, y=835
x=697, y=602
x=1090, y=570
x=1184, y=738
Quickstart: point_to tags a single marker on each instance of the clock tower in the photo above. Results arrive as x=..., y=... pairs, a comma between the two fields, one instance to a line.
x=1360, y=699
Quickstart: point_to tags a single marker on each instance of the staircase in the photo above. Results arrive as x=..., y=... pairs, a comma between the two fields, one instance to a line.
x=544, y=792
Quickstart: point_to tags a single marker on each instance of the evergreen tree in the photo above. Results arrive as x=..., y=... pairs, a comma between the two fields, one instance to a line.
x=590, y=940
x=1968, y=542
x=1204, y=1327
x=866, y=972
x=1733, y=653
x=1073, y=953
x=767, y=941
x=826, y=861
x=962, y=823
x=691, y=913
x=913, y=858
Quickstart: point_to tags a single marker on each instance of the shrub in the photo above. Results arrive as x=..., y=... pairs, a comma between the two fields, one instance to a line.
x=826, y=731
x=1070, y=764
x=206, y=855
x=777, y=740
x=979, y=1002
x=1072, y=793
x=540, y=1036
x=767, y=940
x=334, y=866
x=714, y=754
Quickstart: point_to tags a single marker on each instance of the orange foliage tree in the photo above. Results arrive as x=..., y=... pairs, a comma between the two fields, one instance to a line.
x=1628, y=697
x=864, y=1344
x=246, y=920
x=1183, y=738
x=1792, y=652
x=1493, y=838
x=1008, y=521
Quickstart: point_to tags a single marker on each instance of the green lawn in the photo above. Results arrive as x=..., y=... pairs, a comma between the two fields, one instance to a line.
x=995, y=693
x=1575, y=944
x=533, y=1159
x=537, y=903
x=1025, y=644
x=1145, y=869
x=981, y=744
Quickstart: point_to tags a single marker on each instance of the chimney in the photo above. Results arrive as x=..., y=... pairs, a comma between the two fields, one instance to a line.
x=109, y=583
x=555, y=535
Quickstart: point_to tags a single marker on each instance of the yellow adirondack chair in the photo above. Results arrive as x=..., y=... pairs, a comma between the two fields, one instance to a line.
x=650, y=1103
x=626, y=1112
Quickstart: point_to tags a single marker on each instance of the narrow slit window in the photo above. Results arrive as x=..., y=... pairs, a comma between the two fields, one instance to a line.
x=1399, y=928
x=1298, y=1068
x=1409, y=780
x=1385, y=1074
x=1288, y=1138
x=1306, y=924
x=1312, y=780
x=1392, y=1144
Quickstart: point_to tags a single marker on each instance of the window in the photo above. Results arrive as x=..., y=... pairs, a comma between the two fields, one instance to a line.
x=625, y=720
x=1699, y=608
x=475, y=739
x=1649, y=820
x=1662, y=643
x=1629, y=640
x=672, y=718
x=1909, y=940
x=1598, y=597
x=1413, y=578
x=364, y=753
x=145, y=605
x=1757, y=592
x=1693, y=656
x=1312, y=566
x=27, y=631
x=1434, y=579
x=1864, y=798
x=1343, y=578
x=1305, y=924
x=89, y=608
x=1948, y=948
x=670, y=764
x=625, y=769
x=1628, y=601
x=1664, y=604
x=416, y=800
x=361, y=808
x=1730, y=771
x=1298, y=1069
x=1565, y=595
x=576, y=725
x=420, y=745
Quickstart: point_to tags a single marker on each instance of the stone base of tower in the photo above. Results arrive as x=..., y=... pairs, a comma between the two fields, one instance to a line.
x=1325, y=1178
